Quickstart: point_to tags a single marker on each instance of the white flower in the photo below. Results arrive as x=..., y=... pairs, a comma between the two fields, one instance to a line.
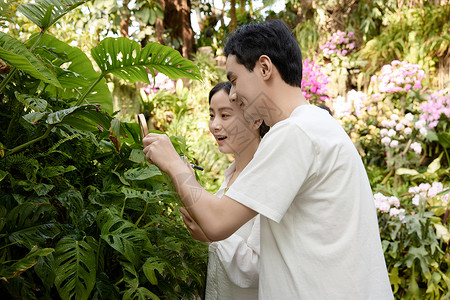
x=391, y=132
x=386, y=140
x=409, y=117
x=385, y=123
x=394, y=144
x=423, y=131
x=399, y=127
x=420, y=124
x=416, y=147
x=383, y=132
x=408, y=131
x=394, y=201
x=394, y=117
x=416, y=200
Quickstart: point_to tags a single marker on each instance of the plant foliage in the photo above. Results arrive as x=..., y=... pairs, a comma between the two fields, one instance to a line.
x=82, y=215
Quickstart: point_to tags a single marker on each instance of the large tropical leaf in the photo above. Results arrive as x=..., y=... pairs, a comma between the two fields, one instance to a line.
x=44, y=13
x=125, y=59
x=24, y=263
x=78, y=76
x=122, y=235
x=75, y=268
x=17, y=54
x=31, y=224
x=84, y=117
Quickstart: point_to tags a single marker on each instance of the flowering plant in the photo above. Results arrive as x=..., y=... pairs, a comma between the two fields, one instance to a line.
x=158, y=83
x=415, y=243
x=339, y=45
x=399, y=76
x=399, y=134
x=314, y=82
x=437, y=108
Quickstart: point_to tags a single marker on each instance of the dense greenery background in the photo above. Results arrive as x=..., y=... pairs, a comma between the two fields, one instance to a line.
x=83, y=216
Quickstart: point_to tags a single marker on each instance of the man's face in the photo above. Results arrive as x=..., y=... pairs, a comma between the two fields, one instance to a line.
x=245, y=87
x=248, y=91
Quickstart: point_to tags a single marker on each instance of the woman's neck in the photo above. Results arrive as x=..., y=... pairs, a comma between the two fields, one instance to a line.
x=242, y=158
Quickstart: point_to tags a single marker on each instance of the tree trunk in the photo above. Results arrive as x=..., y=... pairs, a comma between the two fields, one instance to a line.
x=233, y=21
x=124, y=20
x=159, y=24
x=177, y=18
x=241, y=7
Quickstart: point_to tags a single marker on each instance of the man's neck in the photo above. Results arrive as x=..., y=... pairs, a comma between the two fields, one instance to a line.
x=286, y=100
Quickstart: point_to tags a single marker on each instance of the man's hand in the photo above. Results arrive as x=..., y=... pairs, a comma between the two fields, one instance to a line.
x=158, y=150
x=195, y=230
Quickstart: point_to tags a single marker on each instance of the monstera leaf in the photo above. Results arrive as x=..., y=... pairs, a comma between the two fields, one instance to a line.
x=24, y=263
x=125, y=59
x=78, y=77
x=122, y=235
x=17, y=54
x=75, y=267
x=44, y=13
x=29, y=224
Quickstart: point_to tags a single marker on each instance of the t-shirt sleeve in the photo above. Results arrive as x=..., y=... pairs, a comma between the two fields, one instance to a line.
x=284, y=160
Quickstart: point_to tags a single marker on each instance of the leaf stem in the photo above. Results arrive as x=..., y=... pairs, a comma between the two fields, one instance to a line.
x=29, y=143
x=89, y=90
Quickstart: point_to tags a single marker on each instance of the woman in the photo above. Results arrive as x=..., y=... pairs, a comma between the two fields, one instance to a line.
x=233, y=264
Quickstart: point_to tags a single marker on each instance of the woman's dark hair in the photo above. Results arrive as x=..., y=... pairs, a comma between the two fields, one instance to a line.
x=272, y=38
x=226, y=86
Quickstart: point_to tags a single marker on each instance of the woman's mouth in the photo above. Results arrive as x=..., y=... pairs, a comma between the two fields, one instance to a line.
x=221, y=138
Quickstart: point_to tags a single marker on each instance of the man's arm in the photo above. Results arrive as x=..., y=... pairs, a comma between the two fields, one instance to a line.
x=218, y=217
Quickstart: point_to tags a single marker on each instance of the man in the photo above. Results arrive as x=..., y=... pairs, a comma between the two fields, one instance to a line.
x=319, y=231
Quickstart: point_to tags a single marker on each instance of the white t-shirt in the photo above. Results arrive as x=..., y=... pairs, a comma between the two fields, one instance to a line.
x=319, y=231
x=233, y=264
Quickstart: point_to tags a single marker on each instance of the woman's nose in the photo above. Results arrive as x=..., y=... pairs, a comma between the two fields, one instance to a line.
x=215, y=124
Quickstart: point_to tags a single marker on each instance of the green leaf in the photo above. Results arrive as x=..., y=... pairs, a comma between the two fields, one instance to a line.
x=44, y=13
x=34, y=117
x=48, y=172
x=45, y=269
x=137, y=156
x=79, y=75
x=442, y=232
x=444, y=139
x=31, y=224
x=149, y=267
x=84, y=117
x=36, y=104
x=404, y=171
x=3, y=174
x=75, y=268
x=435, y=165
x=122, y=235
x=140, y=293
x=17, y=54
x=26, y=262
x=42, y=189
x=142, y=173
x=124, y=58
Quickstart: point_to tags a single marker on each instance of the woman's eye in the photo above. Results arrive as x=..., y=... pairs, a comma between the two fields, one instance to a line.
x=224, y=116
x=211, y=116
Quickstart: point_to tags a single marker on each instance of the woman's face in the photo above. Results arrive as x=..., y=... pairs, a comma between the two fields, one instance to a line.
x=231, y=131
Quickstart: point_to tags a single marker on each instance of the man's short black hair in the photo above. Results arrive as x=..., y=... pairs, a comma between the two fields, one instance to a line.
x=272, y=38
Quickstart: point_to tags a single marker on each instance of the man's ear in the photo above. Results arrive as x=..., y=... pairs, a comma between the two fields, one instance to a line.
x=265, y=66
x=256, y=124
